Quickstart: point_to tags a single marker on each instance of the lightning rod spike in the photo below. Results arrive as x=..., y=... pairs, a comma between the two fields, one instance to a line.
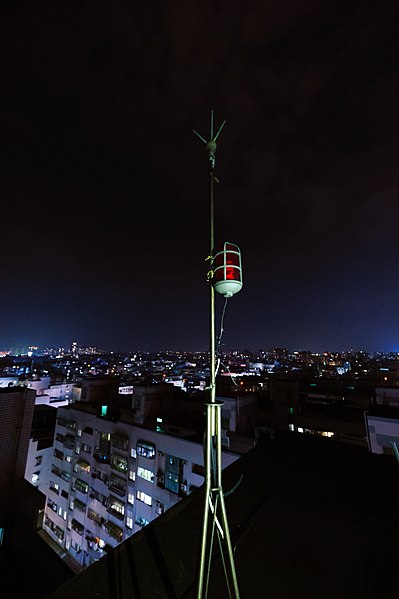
x=220, y=128
x=200, y=136
x=211, y=123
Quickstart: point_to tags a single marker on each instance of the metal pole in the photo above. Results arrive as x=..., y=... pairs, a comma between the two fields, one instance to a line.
x=212, y=390
x=233, y=583
x=200, y=588
x=214, y=498
x=211, y=146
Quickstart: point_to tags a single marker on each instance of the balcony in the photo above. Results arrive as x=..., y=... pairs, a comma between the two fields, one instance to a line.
x=117, y=485
x=114, y=531
x=77, y=527
x=94, y=551
x=83, y=465
x=68, y=443
x=116, y=489
x=102, y=458
x=120, y=442
x=116, y=513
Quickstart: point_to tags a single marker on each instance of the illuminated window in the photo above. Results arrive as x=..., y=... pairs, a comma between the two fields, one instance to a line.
x=130, y=498
x=116, y=507
x=132, y=475
x=146, y=474
x=62, y=513
x=146, y=450
x=81, y=465
x=141, y=496
x=119, y=463
x=129, y=520
x=54, y=487
x=104, y=410
x=172, y=473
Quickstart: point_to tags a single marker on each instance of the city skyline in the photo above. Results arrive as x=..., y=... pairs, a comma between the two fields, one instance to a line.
x=105, y=218
x=82, y=349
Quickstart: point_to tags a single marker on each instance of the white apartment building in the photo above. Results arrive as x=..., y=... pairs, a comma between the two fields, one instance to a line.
x=40, y=454
x=38, y=464
x=382, y=431
x=110, y=478
x=382, y=421
x=60, y=394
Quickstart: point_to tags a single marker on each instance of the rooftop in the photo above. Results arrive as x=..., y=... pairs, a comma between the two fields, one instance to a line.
x=309, y=517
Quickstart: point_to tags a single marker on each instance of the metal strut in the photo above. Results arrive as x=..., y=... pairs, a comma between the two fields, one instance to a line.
x=214, y=517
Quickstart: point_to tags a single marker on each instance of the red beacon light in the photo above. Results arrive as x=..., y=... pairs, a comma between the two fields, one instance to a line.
x=227, y=271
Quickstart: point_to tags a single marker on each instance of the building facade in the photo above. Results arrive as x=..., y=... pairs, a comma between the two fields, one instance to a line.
x=109, y=478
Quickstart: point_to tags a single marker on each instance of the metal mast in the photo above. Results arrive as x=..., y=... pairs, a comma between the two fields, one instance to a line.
x=214, y=517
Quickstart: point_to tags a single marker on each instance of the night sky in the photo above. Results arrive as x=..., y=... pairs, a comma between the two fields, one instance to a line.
x=104, y=212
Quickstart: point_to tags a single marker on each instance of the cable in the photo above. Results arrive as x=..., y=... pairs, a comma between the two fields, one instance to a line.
x=217, y=367
x=221, y=325
x=231, y=375
x=220, y=336
x=234, y=487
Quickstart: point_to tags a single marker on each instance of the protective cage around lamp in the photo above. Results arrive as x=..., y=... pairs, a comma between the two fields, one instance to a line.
x=227, y=270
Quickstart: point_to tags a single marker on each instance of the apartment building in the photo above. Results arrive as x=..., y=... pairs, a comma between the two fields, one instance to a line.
x=40, y=451
x=382, y=421
x=109, y=478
